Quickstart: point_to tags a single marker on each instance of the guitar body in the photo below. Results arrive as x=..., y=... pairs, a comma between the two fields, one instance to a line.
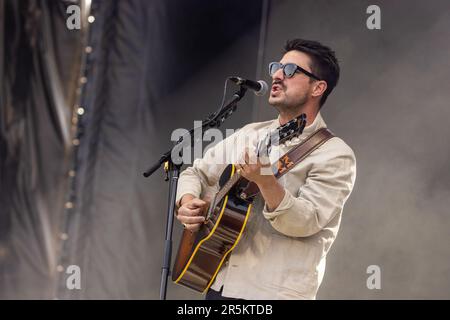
x=202, y=253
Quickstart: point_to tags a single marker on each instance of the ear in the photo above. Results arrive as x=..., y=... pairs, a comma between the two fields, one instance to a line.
x=319, y=88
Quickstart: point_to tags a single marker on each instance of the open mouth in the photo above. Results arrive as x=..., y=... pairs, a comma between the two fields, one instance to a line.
x=276, y=88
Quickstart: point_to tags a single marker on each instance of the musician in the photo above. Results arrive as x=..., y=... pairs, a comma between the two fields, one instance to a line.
x=295, y=219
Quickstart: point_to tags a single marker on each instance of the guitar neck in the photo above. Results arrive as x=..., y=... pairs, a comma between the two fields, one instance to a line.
x=223, y=192
x=227, y=187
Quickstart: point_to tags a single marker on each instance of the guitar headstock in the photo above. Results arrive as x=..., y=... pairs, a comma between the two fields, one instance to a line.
x=289, y=130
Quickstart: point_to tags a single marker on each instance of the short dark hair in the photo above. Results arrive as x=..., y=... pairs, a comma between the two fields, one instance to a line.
x=324, y=62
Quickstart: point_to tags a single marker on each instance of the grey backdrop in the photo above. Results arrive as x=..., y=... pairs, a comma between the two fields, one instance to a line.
x=392, y=107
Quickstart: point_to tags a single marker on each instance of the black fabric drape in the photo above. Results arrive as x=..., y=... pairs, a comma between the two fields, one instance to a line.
x=71, y=159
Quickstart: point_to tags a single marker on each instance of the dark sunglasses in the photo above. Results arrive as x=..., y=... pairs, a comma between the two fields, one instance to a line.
x=289, y=69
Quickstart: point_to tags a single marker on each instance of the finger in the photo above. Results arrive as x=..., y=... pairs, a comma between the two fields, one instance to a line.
x=242, y=157
x=192, y=227
x=264, y=161
x=246, y=157
x=181, y=215
x=245, y=168
x=190, y=212
x=190, y=220
x=252, y=158
x=195, y=203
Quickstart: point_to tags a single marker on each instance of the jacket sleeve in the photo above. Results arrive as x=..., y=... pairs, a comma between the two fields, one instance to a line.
x=205, y=172
x=327, y=187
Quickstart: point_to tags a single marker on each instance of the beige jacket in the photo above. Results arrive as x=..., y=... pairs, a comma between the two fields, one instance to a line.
x=282, y=254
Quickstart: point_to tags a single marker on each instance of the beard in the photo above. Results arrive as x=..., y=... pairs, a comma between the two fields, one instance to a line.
x=288, y=105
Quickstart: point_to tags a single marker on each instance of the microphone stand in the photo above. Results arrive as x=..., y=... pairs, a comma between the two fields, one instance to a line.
x=173, y=172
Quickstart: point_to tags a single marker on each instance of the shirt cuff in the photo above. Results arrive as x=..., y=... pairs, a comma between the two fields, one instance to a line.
x=284, y=205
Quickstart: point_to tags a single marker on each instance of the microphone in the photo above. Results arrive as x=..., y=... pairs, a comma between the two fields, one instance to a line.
x=259, y=87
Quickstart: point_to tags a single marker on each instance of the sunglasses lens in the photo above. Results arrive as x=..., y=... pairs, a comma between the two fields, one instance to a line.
x=274, y=67
x=289, y=69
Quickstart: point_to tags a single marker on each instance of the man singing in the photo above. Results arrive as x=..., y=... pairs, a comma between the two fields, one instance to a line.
x=295, y=219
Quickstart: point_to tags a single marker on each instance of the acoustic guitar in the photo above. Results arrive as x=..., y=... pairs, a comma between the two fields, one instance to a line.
x=202, y=253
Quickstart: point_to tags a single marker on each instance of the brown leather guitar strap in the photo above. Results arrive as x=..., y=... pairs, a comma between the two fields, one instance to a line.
x=293, y=157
